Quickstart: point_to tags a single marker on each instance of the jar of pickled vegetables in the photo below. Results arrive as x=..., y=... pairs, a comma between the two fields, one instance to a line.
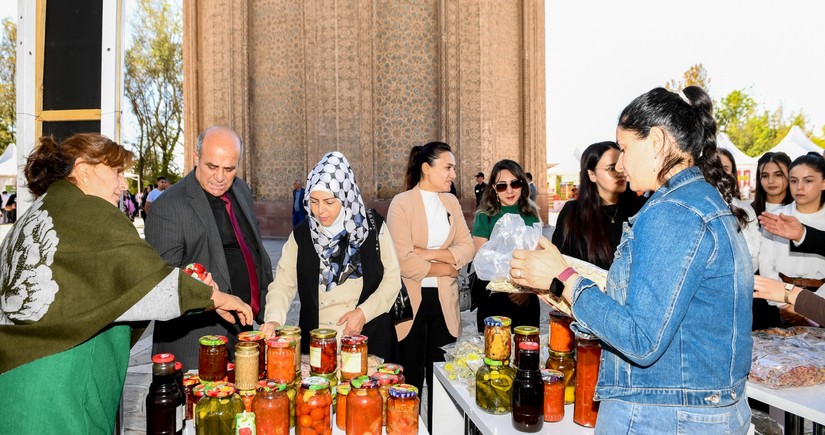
x=553, y=395
x=323, y=351
x=402, y=410
x=258, y=338
x=212, y=358
x=313, y=407
x=190, y=381
x=497, y=338
x=561, y=336
x=364, y=405
x=271, y=408
x=332, y=378
x=354, y=357
x=280, y=359
x=494, y=386
x=394, y=369
x=292, y=394
x=522, y=334
x=341, y=394
x=215, y=412
x=566, y=364
x=588, y=356
x=293, y=332
x=247, y=396
x=246, y=365
x=385, y=381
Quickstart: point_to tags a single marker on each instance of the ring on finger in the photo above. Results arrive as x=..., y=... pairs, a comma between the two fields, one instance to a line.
x=518, y=273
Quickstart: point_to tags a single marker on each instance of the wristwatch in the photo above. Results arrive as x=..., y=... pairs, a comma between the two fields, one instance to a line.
x=788, y=288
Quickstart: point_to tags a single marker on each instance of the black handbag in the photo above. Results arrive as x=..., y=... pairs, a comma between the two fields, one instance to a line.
x=401, y=310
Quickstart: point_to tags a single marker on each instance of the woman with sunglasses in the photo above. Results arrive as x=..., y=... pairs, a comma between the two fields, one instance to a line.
x=508, y=192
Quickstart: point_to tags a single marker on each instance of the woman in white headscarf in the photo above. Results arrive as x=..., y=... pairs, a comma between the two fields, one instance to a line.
x=341, y=261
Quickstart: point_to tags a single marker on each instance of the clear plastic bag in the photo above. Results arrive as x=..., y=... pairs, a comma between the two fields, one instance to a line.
x=492, y=262
x=793, y=357
x=464, y=357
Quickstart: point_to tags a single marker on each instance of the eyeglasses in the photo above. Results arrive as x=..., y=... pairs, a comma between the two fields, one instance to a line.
x=514, y=184
x=613, y=172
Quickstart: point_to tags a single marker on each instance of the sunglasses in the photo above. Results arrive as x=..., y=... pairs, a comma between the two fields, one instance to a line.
x=514, y=184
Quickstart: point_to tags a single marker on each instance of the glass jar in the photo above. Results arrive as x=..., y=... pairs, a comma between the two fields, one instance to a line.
x=588, y=356
x=293, y=332
x=313, y=407
x=323, y=351
x=561, y=336
x=212, y=358
x=553, y=395
x=394, y=369
x=197, y=395
x=247, y=396
x=332, y=378
x=215, y=412
x=190, y=381
x=522, y=334
x=271, y=408
x=497, y=338
x=256, y=337
x=292, y=394
x=341, y=394
x=280, y=356
x=402, y=410
x=385, y=381
x=246, y=365
x=565, y=363
x=354, y=357
x=230, y=373
x=528, y=390
x=364, y=405
x=494, y=385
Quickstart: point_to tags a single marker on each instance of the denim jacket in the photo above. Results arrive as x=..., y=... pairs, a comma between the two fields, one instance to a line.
x=675, y=323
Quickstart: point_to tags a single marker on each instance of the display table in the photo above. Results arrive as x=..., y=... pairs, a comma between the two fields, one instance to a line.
x=455, y=412
x=805, y=402
x=189, y=428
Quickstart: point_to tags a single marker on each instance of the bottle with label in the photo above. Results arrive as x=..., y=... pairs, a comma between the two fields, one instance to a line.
x=323, y=351
x=354, y=357
x=164, y=403
x=528, y=390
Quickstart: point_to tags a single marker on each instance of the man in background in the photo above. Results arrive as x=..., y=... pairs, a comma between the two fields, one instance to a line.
x=533, y=191
x=299, y=213
x=163, y=183
x=479, y=187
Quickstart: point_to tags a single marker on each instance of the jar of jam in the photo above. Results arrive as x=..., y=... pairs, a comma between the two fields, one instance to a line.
x=215, y=413
x=588, y=356
x=256, y=337
x=394, y=369
x=522, y=334
x=179, y=378
x=212, y=358
x=565, y=363
x=247, y=396
x=385, y=381
x=497, y=338
x=313, y=407
x=230, y=373
x=553, y=395
x=354, y=357
x=280, y=359
x=323, y=351
x=293, y=332
x=561, y=336
x=190, y=381
x=494, y=385
x=364, y=405
x=271, y=408
x=341, y=394
x=246, y=365
x=402, y=410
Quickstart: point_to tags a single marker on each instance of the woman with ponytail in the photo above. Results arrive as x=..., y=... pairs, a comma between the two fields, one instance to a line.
x=675, y=320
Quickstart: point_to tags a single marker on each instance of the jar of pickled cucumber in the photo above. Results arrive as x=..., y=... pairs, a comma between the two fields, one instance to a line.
x=215, y=412
x=497, y=338
x=565, y=363
x=494, y=386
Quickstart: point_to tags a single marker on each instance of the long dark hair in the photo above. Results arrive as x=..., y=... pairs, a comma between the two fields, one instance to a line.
x=733, y=170
x=419, y=155
x=761, y=197
x=490, y=204
x=588, y=223
x=690, y=122
x=815, y=162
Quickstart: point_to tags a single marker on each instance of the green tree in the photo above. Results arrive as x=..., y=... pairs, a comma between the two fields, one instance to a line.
x=8, y=60
x=696, y=75
x=153, y=84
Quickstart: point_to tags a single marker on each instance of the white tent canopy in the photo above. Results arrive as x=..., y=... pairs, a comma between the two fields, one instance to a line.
x=723, y=141
x=796, y=143
x=565, y=168
x=8, y=162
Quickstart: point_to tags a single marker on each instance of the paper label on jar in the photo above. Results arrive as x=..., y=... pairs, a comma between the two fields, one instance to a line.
x=351, y=362
x=314, y=356
x=179, y=416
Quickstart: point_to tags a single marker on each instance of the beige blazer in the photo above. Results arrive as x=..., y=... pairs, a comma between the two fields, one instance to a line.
x=407, y=221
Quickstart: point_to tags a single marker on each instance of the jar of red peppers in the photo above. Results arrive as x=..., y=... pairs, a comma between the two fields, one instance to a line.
x=323, y=351
x=354, y=357
x=190, y=381
x=522, y=334
x=385, y=381
x=271, y=408
x=246, y=365
x=364, y=405
x=561, y=336
x=553, y=395
x=280, y=359
x=256, y=337
x=393, y=369
x=313, y=407
x=588, y=356
x=402, y=410
x=212, y=358
x=293, y=332
x=497, y=338
x=341, y=394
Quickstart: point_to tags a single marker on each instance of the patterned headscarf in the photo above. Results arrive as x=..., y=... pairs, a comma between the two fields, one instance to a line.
x=340, y=258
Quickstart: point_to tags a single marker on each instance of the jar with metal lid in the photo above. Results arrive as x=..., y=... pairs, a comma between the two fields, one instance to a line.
x=393, y=369
x=179, y=378
x=522, y=334
x=256, y=337
x=271, y=408
x=246, y=365
x=354, y=357
x=323, y=351
x=247, y=396
x=497, y=338
x=295, y=333
x=553, y=395
x=313, y=407
x=341, y=394
x=197, y=395
x=212, y=358
x=565, y=363
x=561, y=336
x=190, y=381
x=364, y=406
x=494, y=386
x=215, y=412
x=292, y=394
x=332, y=378
x=385, y=381
x=280, y=359
x=402, y=410
x=230, y=373
x=588, y=356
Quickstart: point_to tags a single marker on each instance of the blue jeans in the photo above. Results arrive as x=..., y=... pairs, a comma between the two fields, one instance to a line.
x=620, y=417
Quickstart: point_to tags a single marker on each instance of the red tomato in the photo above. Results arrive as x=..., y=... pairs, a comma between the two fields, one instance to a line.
x=196, y=270
x=317, y=414
x=305, y=421
x=318, y=427
x=316, y=401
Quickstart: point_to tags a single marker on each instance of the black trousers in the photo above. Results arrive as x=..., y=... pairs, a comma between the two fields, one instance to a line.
x=499, y=304
x=422, y=346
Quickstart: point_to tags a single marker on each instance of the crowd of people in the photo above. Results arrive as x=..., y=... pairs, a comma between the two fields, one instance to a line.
x=659, y=208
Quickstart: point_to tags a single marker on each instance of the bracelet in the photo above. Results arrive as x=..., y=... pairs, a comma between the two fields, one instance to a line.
x=788, y=288
x=566, y=273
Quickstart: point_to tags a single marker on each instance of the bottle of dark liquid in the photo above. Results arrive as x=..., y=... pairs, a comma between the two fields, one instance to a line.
x=164, y=403
x=528, y=390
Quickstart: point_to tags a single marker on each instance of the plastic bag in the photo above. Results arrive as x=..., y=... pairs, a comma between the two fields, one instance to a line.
x=492, y=262
x=464, y=357
x=793, y=357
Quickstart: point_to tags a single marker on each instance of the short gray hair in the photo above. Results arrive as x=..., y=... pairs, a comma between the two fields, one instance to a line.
x=208, y=130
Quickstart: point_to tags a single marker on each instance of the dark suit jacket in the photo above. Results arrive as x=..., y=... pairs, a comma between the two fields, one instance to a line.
x=181, y=227
x=814, y=242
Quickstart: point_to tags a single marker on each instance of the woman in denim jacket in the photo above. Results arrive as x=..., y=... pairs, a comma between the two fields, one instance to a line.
x=675, y=322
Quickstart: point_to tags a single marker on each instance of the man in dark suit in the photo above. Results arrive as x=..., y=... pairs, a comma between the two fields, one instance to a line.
x=299, y=212
x=191, y=223
x=802, y=237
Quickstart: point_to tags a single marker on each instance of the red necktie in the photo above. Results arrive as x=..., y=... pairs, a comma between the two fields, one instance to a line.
x=247, y=257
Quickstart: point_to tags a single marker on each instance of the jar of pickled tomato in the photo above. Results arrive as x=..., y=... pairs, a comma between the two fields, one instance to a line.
x=271, y=408
x=293, y=332
x=402, y=410
x=280, y=359
x=313, y=407
x=364, y=407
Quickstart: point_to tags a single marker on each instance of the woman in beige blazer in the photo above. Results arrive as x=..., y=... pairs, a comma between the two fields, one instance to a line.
x=433, y=242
